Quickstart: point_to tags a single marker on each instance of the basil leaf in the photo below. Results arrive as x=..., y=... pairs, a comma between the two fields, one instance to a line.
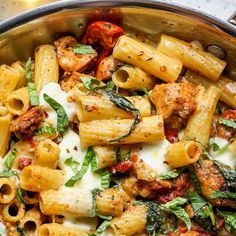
x=8, y=173
x=94, y=192
x=19, y=194
x=196, y=200
x=207, y=211
x=45, y=130
x=154, y=218
x=93, y=164
x=104, y=217
x=62, y=118
x=230, y=219
x=85, y=165
x=215, y=147
x=21, y=231
x=105, y=182
x=175, y=207
x=88, y=82
x=220, y=194
x=74, y=165
x=28, y=72
x=170, y=175
x=33, y=94
x=83, y=49
x=228, y=123
x=101, y=228
x=194, y=179
x=9, y=160
x=146, y=92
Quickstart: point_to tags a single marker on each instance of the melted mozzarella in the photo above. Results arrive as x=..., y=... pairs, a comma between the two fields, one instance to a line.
x=154, y=155
x=3, y=230
x=226, y=157
x=84, y=223
x=54, y=91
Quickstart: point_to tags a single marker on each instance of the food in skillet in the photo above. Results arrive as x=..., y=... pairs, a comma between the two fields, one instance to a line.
x=122, y=143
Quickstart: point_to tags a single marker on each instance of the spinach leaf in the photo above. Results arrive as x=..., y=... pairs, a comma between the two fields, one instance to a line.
x=101, y=228
x=170, y=175
x=45, y=130
x=62, y=118
x=175, y=207
x=88, y=83
x=228, y=123
x=85, y=165
x=74, y=165
x=230, y=219
x=9, y=160
x=220, y=194
x=21, y=230
x=82, y=49
x=19, y=194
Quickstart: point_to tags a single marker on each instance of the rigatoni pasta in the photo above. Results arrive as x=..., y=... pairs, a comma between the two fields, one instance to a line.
x=7, y=189
x=19, y=67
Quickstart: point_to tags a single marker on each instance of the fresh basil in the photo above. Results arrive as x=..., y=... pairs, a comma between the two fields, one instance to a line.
x=122, y=156
x=62, y=118
x=33, y=94
x=21, y=230
x=101, y=228
x=220, y=194
x=88, y=83
x=170, y=175
x=85, y=165
x=28, y=72
x=104, y=217
x=45, y=130
x=9, y=160
x=83, y=49
x=194, y=179
x=230, y=219
x=8, y=173
x=227, y=123
x=196, y=200
x=175, y=206
x=93, y=164
x=74, y=165
x=94, y=192
x=105, y=174
x=19, y=194
x=146, y=92
x=205, y=212
x=215, y=147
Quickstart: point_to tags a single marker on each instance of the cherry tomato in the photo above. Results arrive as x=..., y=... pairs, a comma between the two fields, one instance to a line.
x=23, y=162
x=122, y=167
x=172, y=135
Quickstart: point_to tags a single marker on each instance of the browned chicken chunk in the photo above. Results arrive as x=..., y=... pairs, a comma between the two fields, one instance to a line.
x=28, y=122
x=71, y=61
x=211, y=179
x=174, y=98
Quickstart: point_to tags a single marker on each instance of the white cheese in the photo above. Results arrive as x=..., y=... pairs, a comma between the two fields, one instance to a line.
x=154, y=154
x=108, y=232
x=54, y=91
x=225, y=156
x=3, y=230
x=84, y=223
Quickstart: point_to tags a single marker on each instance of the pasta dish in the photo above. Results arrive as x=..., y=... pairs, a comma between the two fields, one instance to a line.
x=116, y=135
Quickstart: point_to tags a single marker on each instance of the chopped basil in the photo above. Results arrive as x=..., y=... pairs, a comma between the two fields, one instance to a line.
x=83, y=49
x=8, y=173
x=62, y=118
x=28, y=72
x=228, y=123
x=21, y=230
x=220, y=194
x=215, y=147
x=19, y=194
x=85, y=165
x=194, y=179
x=122, y=156
x=9, y=160
x=170, y=175
x=101, y=228
x=105, y=182
x=146, y=92
x=93, y=164
x=74, y=165
x=206, y=212
x=175, y=207
x=230, y=219
x=94, y=192
x=45, y=130
x=88, y=82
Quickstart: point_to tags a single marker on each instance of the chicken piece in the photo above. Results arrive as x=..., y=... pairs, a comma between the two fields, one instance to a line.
x=71, y=61
x=106, y=67
x=211, y=179
x=174, y=98
x=28, y=122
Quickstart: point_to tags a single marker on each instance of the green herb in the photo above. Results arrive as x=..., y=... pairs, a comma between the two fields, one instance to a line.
x=122, y=156
x=104, y=217
x=9, y=160
x=196, y=200
x=146, y=92
x=19, y=194
x=194, y=179
x=105, y=182
x=45, y=130
x=8, y=173
x=175, y=207
x=206, y=212
x=74, y=165
x=101, y=228
x=228, y=123
x=220, y=194
x=230, y=219
x=83, y=49
x=93, y=164
x=28, y=72
x=215, y=147
x=94, y=192
x=154, y=218
x=88, y=157
x=88, y=83
x=21, y=231
x=62, y=118
x=170, y=175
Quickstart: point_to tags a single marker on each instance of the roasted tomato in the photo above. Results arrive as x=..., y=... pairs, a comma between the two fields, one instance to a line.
x=23, y=162
x=171, y=135
x=122, y=167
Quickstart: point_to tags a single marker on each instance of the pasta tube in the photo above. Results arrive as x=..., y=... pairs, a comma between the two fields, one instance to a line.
x=183, y=153
x=55, y=229
x=132, y=78
x=147, y=58
x=13, y=211
x=110, y=202
x=31, y=197
x=132, y=221
x=46, y=66
x=18, y=102
x=199, y=124
x=5, y=122
x=227, y=87
x=68, y=202
x=197, y=60
x=7, y=190
x=37, y=178
x=148, y=129
x=19, y=67
x=47, y=153
x=98, y=108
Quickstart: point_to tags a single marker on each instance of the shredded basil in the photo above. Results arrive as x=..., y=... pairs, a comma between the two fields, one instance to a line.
x=8, y=173
x=74, y=165
x=220, y=194
x=230, y=219
x=170, y=175
x=194, y=179
x=94, y=192
x=146, y=92
x=101, y=228
x=85, y=165
x=206, y=212
x=19, y=194
x=88, y=83
x=9, y=160
x=28, y=72
x=21, y=230
x=122, y=156
x=45, y=130
x=83, y=49
x=62, y=118
x=175, y=207
x=228, y=123
x=105, y=174
x=215, y=147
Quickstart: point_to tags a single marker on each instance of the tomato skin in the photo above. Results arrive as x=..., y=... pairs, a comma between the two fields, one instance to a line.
x=172, y=135
x=23, y=162
x=106, y=33
x=122, y=167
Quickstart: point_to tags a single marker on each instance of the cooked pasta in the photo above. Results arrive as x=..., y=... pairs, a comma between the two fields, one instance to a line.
x=19, y=66
x=7, y=190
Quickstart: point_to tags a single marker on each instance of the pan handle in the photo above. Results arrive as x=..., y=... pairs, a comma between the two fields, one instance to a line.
x=232, y=19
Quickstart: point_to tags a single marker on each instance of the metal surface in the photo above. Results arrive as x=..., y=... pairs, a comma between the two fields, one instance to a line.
x=21, y=34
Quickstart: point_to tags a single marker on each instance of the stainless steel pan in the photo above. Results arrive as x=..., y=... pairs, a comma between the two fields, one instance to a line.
x=22, y=33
